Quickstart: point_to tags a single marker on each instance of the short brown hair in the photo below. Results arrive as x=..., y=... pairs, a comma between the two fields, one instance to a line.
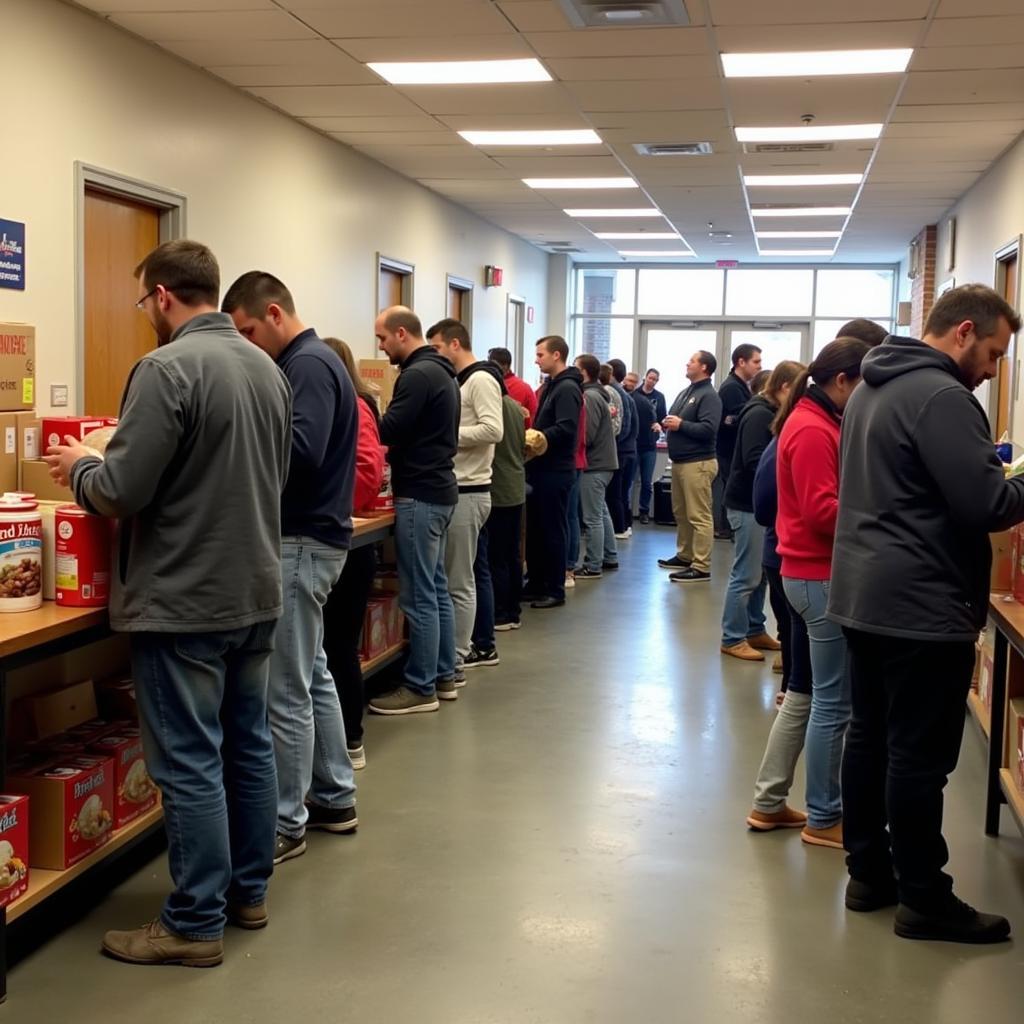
x=185, y=268
x=590, y=365
x=254, y=291
x=451, y=330
x=555, y=345
x=974, y=302
x=401, y=317
x=605, y=374
x=867, y=330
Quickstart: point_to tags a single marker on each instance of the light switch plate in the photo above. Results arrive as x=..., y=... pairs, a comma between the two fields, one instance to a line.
x=58, y=395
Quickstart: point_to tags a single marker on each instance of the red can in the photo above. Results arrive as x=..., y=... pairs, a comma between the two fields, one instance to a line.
x=82, y=562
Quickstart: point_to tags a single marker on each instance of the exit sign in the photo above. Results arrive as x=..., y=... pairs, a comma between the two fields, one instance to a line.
x=727, y=263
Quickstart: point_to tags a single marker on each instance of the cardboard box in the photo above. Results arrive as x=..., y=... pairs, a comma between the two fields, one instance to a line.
x=14, y=847
x=1014, y=678
x=116, y=698
x=394, y=620
x=28, y=431
x=1002, y=560
x=1015, y=742
x=1017, y=555
x=72, y=808
x=382, y=375
x=17, y=367
x=8, y=451
x=40, y=715
x=35, y=477
x=135, y=793
x=375, y=629
x=55, y=429
x=46, y=513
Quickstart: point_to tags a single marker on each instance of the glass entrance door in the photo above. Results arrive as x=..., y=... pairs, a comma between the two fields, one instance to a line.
x=776, y=341
x=667, y=348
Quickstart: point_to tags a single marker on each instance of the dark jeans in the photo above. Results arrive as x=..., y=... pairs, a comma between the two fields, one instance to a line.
x=796, y=648
x=504, y=526
x=203, y=712
x=646, y=460
x=343, y=623
x=483, y=621
x=547, y=532
x=718, y=494
x=903, y=742
x=616, y=494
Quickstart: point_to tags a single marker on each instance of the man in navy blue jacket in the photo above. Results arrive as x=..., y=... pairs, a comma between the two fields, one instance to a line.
x=316, y=530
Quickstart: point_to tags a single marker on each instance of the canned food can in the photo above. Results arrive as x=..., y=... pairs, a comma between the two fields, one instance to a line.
x=21, y=556
x=82, y=558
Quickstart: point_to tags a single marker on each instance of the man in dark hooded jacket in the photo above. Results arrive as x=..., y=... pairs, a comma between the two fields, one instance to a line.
x=920, y=490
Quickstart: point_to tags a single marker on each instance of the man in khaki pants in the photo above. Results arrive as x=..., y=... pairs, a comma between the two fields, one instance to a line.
x=692, y=426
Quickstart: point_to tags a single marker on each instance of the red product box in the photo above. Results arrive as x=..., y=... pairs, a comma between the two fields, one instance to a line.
x=134, y=791
x=14, y=839
x=55, y=428
x=395, y=620
x=81, y=558
x=78, y=738
x=72, y=804
x=375, y=629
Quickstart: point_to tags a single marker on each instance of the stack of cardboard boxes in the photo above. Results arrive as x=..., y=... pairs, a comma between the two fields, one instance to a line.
x=384, y=623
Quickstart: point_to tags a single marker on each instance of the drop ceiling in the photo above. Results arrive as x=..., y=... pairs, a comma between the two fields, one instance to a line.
x=946, y=119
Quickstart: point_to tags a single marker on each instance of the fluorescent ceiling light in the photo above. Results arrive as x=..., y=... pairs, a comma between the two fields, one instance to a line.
x=799, y=234
x=460, y=72
x=581, y=137
x=580, y=183
x=657, y=252
x=652, y=235
x=804, y=211
x=756, y=180
x=812, y=63
x=797, y=252
x=809, y=133
x=614, y=213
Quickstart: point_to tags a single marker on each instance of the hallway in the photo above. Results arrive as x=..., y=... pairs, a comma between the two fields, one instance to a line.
x=566, y=844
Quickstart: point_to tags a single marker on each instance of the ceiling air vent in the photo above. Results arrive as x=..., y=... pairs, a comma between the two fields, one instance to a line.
x=567, y=249
x=673, y=148
x=624, y=13
x=788, y=147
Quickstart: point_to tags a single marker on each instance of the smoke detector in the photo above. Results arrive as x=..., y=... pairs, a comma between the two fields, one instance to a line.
x=624, y=13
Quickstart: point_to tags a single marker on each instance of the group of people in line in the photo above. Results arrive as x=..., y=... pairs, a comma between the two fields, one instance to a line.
x=246, y=442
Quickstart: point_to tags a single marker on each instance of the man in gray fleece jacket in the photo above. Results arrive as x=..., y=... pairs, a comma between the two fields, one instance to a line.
x=599, y=550
x=194, y=473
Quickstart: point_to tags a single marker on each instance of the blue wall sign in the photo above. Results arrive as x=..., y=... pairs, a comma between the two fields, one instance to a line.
x=12, y=254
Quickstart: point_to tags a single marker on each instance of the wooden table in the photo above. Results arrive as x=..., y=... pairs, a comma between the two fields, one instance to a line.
x=1008, y=616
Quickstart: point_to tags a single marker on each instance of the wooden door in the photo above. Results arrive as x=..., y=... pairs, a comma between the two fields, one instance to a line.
x=390, y=287
x=1009, y=291
x=119, y=233
x=455, y=303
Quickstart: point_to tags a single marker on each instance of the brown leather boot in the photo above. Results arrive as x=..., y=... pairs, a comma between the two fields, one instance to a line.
x=154, y=944
x=786, y=818
x=743, y=651
x=764, y=642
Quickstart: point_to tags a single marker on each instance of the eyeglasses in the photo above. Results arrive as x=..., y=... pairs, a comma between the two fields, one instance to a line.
x=142, y=301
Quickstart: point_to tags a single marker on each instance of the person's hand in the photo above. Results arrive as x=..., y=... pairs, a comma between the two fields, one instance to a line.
x=61, y=458
x=671, y=422
x=656, y=428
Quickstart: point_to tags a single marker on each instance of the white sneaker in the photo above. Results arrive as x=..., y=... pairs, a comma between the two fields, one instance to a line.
x=570, y=580
x=625, y=535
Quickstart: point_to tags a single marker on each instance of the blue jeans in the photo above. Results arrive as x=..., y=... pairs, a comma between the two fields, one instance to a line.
x=830, y=701
x=645, y=461
x=203, y=712
x=483, y=624
x=305, y=712
x=420, y=531
x=743, y=614
x=598, y=532
x=573, y=522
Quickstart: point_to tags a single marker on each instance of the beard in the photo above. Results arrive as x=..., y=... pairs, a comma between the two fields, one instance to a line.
x=162, y=328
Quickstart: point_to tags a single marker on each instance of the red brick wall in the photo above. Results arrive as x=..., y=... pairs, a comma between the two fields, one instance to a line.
x=922, y=292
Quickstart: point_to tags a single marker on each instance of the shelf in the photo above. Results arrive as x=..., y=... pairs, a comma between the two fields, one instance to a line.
x=42, y=883
x=20, y=631
x=980, y=712
x=368, y=524
x=1014, y=797
x=383, y=658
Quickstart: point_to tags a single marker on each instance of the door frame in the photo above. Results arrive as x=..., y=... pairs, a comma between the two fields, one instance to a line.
x=517, y=346
x=408, y=274
x=173, y=210
x=464, y=285
x=1002, y=255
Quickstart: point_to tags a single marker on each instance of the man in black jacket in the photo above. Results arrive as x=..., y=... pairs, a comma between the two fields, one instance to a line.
x=921, y=489
x=421, y=430
x=620, y=490
x=734, y=393
x=651, y=410
x=551, y=475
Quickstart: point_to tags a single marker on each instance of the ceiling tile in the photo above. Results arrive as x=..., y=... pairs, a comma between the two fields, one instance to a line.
x=804, y=12
x=412, y=139
x=514, y=122
x=527, y=98
x=1004, y=130
x=547, y=166
x=356, y=18
x=977, y=8
x=957, y=58
x=457, y=47
x=976, y=31
x=147, y=6
x=641, y=125
x=255, y=52
x=830, y=100
x=923, y=112
x=366, y=123
x=638, y=42
x=535, y=15
x=596, y=69
x=963, y=86
x=255, y=25
x=848, y=35
x=342, y=71
x=337, y=100
x=683, y=94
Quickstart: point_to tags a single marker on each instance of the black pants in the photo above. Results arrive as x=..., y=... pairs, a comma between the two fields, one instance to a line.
x=343, y=622
x=616, y=494
x=547, y=532
x=718, y=494
x=503, y=528
x=796, y=648
x=903, y=742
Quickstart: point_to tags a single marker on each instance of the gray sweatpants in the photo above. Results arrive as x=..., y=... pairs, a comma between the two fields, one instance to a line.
x=460, y=552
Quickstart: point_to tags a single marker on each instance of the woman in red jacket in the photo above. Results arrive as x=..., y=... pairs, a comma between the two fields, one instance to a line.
x=346, y=605
x=807, y=468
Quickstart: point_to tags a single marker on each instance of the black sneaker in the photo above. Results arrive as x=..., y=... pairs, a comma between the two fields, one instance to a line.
x=867, y=896
x=286, y=848
x=609, y=566
x=675, y=562
x=952, y=921
x=342, y=819
x=477, y=658
x=690, y=575
x=588, y=574
x=644, y=519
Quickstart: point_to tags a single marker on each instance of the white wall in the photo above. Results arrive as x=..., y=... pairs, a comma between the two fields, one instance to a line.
x=263, y=191
x=988, y=215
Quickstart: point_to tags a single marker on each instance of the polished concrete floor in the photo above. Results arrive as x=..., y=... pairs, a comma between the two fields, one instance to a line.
x=565, y=844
